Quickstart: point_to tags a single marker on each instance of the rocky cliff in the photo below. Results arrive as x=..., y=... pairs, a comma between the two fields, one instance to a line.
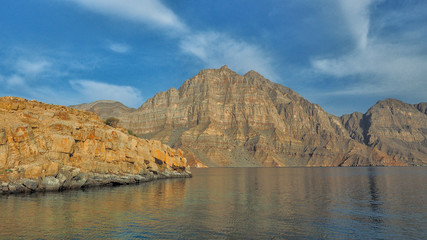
x=394, y=127
x=221, y=118
x=48, y=147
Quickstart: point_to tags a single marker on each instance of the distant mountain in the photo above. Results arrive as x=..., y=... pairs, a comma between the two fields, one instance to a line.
x=221, y=118
x=394, y=127
x=105, y=108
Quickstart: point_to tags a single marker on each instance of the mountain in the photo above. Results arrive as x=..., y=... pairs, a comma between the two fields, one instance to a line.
x=394, y=127
x=221, y=118
x=46, y=147
x=105, y=108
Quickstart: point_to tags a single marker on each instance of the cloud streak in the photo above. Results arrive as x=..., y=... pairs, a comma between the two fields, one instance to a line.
x=213, y=49
x=27, y=67
x=381, y=67
x=216, y=49
x=149, y=12
x=119, y=47
x=356, y=14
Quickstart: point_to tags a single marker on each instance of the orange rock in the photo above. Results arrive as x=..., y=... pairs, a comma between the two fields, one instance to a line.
x=33, y=172
x=51, y=168
x=61, y=143
x=64, y=140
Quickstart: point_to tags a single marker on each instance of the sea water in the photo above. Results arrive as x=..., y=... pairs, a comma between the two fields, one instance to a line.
x=233, y=203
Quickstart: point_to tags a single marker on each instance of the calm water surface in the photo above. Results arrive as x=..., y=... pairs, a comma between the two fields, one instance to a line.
x=233, y=203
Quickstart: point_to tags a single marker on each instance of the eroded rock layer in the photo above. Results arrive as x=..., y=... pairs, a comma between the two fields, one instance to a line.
x=394, y=127
x=48, y=147
x=221, y=118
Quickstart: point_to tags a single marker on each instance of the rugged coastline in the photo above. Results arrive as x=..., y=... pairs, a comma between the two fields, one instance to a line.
x=47, y=147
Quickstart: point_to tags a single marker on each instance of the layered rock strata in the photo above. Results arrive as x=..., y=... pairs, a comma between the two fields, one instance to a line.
x=49, y=148
x=394, y=127
x=221, y=118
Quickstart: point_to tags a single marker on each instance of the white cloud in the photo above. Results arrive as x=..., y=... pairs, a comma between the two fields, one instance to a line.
x=381, y=67
x=214, y=49
x=356, y=14
x=92, y=91
x=151, y=12
x=119, y=47
x=27, y=67
x=217, y=49
x=15, y=81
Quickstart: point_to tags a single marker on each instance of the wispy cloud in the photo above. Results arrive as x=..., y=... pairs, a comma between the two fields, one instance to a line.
x=119, y=47
x=15, y=81
x=31, y=67
x=382, y=67
x=23, y=70
x=30, y=74
x=214, y=49
x=150, y=12
x=356, y=14
x=92, y=91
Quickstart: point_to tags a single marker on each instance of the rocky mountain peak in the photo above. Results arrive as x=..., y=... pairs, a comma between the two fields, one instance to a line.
x=221, y=118
x=422, y=107
x=396, y=128
x=389, y=103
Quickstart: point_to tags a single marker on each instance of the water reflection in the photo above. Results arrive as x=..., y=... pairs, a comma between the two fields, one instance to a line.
x=94, y=212
x=374, y=202
x=230, y=203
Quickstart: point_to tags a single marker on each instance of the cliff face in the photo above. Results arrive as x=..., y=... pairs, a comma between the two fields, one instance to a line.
x=49, y=147
x=394, y=127
x=220, y=118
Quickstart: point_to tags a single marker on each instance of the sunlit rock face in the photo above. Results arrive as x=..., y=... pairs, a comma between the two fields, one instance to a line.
x=394, y=127
x=49, y=147
x=221, y=118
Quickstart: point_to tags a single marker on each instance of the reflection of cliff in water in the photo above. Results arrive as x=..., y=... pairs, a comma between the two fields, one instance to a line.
x=98, y=210
x=375, y=201
x=283, y=201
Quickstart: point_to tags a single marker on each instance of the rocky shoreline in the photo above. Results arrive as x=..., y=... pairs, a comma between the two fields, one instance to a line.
x=47, y=147
x=75, y=180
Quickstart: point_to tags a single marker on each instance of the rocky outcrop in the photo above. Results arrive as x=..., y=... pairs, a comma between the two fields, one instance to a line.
x=396, y=128
x=422, y=107
x=105, y=108
x=49, y=148
x=221, y=118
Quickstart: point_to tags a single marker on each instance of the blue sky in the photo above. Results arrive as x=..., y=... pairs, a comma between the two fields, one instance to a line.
x=341, y=54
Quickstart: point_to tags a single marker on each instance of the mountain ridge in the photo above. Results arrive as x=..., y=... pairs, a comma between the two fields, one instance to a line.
x=222, y=118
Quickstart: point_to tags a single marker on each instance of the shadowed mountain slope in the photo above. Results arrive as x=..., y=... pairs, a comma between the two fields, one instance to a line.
x=394, y=127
